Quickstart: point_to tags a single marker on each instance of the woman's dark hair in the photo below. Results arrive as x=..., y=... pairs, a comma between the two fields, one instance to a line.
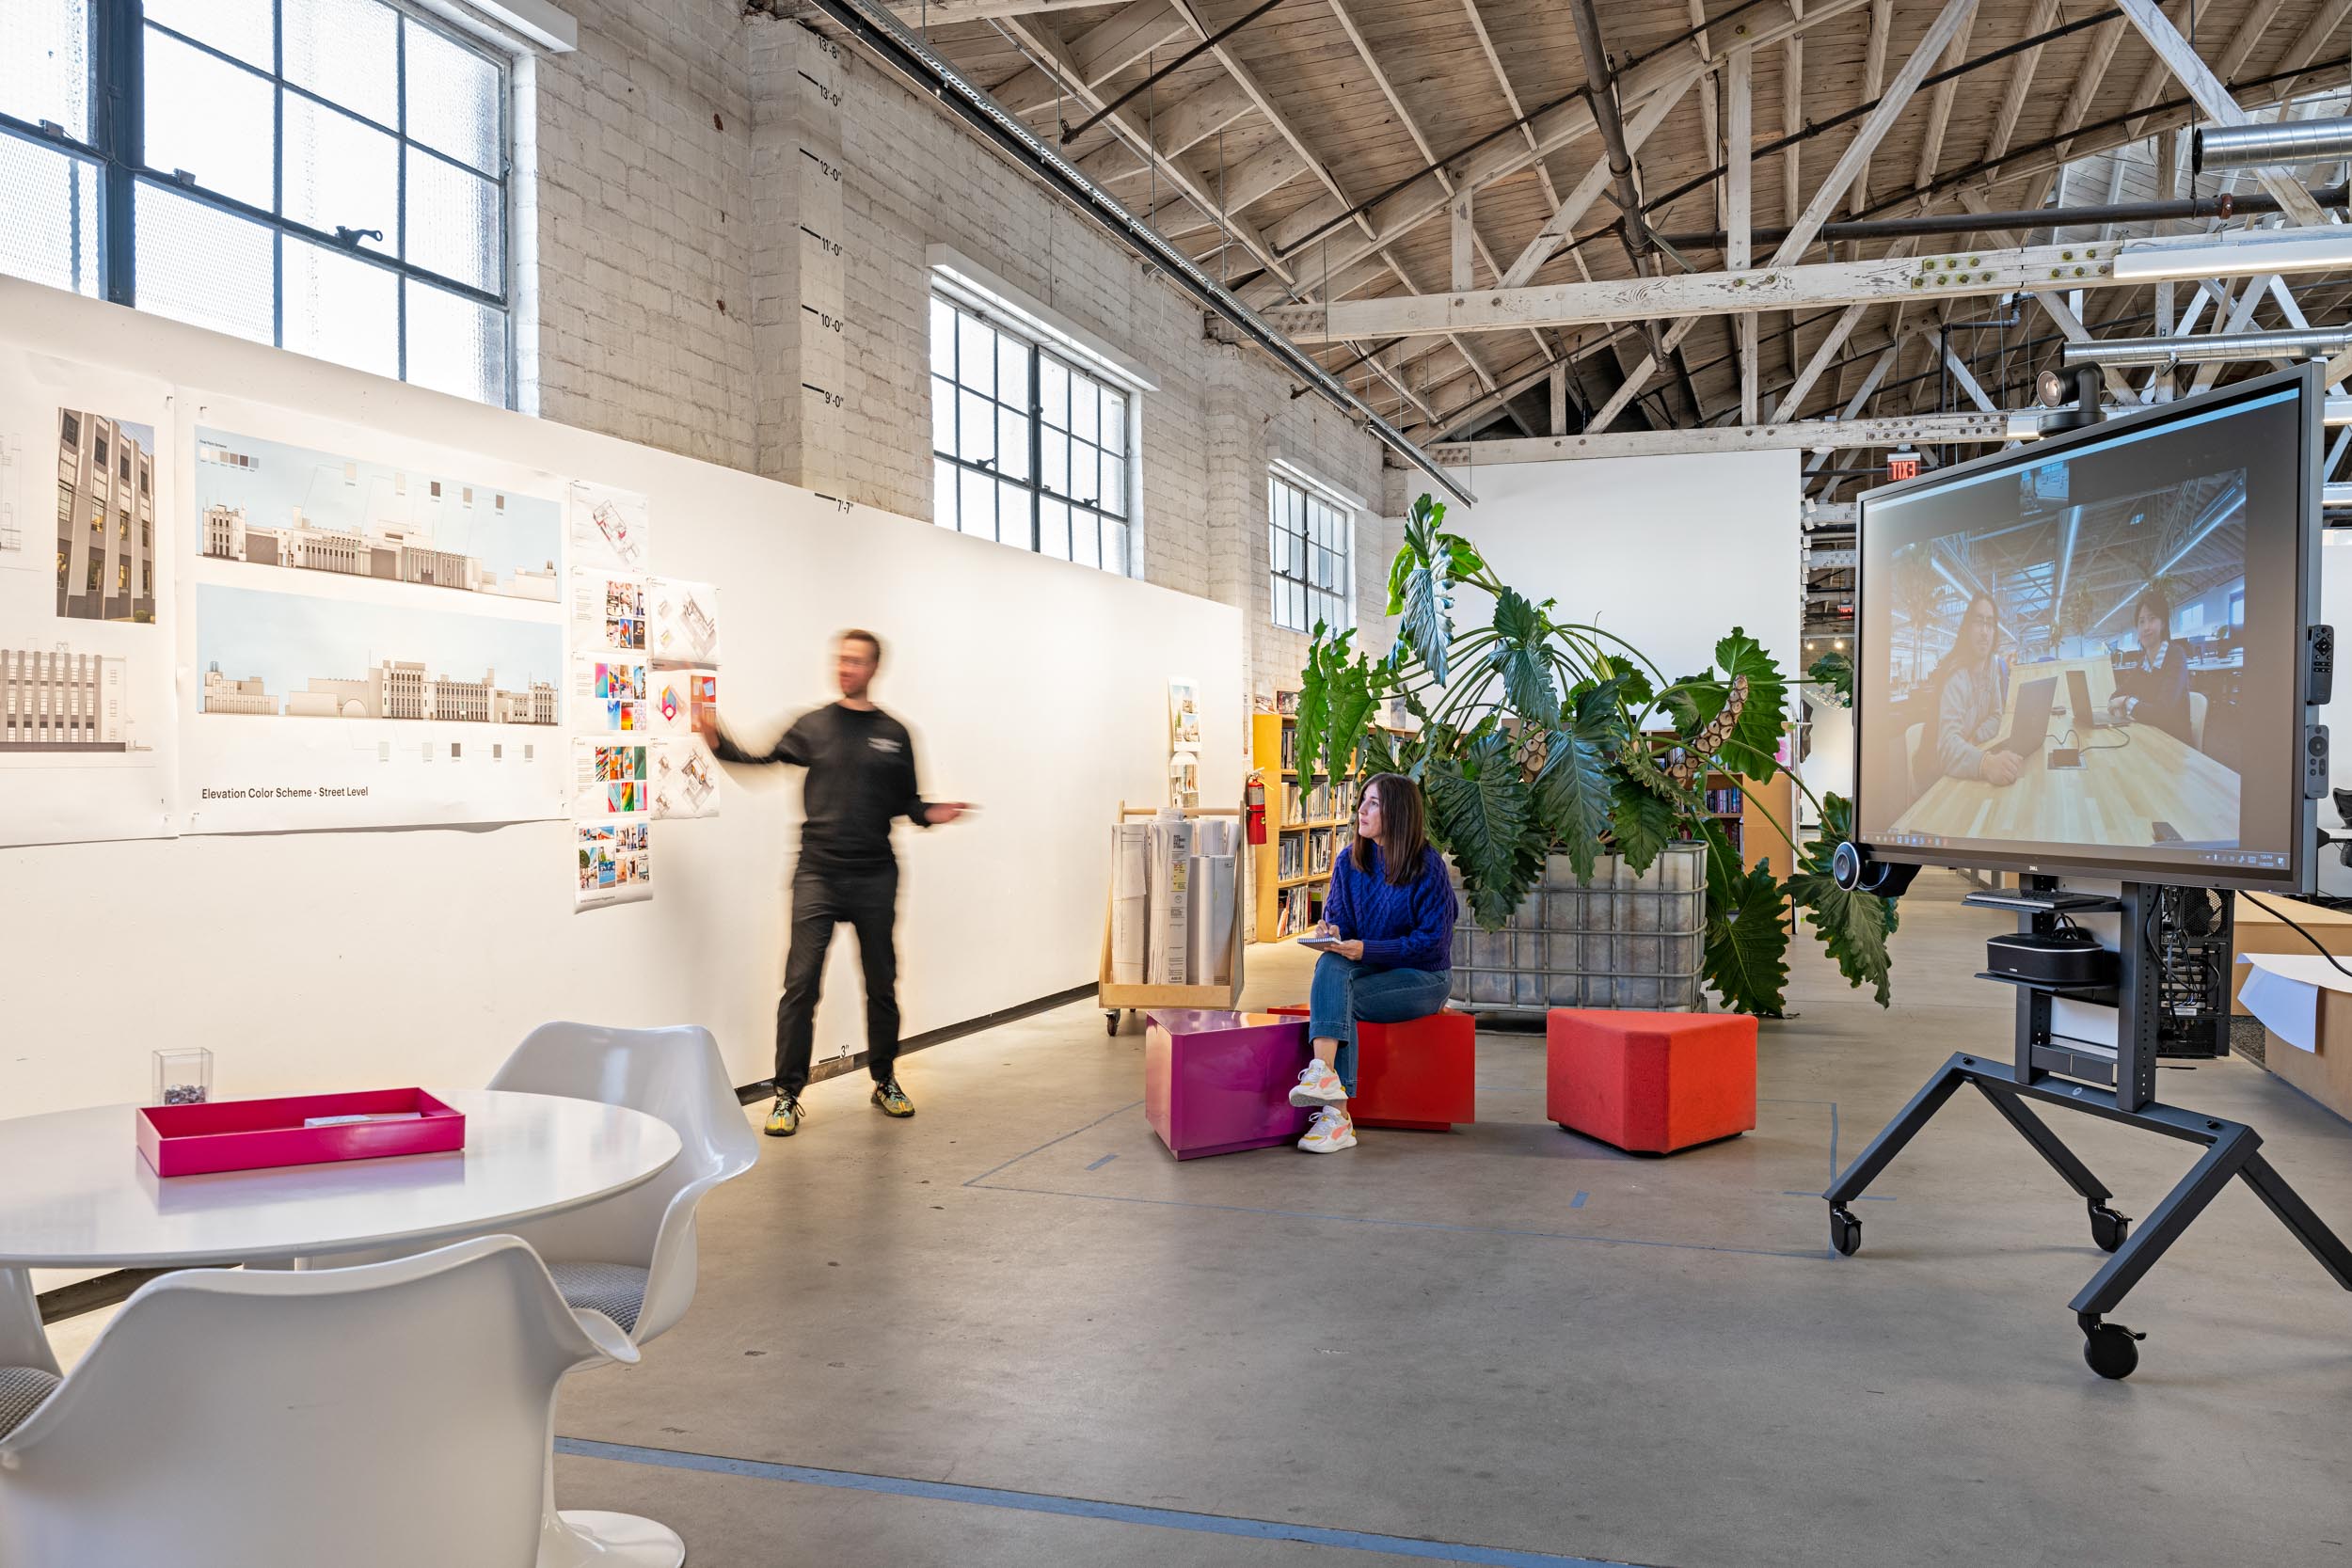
x=2153, y=602
x=1403, y=834
x=1960, y=653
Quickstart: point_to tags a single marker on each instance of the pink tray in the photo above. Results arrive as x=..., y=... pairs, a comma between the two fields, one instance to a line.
x=254, y=1135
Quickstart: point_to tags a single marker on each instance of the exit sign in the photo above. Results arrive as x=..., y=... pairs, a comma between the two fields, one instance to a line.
x=1901, y=465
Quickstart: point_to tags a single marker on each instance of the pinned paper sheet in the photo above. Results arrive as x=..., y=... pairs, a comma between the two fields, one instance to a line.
x=2283, y=989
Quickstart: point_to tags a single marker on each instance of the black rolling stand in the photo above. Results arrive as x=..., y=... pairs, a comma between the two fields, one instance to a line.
x=2119, y=1084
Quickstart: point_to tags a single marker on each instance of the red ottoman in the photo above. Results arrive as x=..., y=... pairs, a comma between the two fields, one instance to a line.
x=1420, y=1074
x=1652, y=1083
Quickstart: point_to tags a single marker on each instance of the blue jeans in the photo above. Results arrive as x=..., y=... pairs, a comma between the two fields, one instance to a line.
x=1348, y=991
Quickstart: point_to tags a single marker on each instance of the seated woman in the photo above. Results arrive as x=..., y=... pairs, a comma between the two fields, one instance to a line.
x=2157, y=692
x=1391, y=914
x=1972, y=692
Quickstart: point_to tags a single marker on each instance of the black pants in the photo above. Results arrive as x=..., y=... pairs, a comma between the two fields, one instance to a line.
x=821, y=900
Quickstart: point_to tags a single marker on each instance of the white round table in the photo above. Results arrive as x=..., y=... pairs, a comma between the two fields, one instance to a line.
x=75, y=1192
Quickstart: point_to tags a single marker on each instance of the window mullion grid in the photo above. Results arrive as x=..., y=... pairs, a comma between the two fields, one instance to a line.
x=119, y=63
x=400, y=187
x=277, y=172
x=1036, y=449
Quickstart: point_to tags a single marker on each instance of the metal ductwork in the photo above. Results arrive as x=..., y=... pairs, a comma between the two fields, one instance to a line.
x=2316, y=343
x=2299, y=141
x=888, y=40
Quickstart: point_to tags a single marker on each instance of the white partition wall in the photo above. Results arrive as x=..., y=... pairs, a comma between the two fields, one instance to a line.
x=318, y=960
x=1667, y=552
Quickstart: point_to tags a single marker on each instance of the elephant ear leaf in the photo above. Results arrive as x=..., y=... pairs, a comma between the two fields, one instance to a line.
x=1572, y=791
x=1324, y=659
x=1479, y=806
x=1753, y=749
x=1642, y=822
x=1854, y=927
x=1747, y=940
x=1518, y=655
x=1426, y=625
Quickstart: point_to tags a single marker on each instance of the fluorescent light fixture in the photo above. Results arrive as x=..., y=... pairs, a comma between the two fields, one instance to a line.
x=2229, y=255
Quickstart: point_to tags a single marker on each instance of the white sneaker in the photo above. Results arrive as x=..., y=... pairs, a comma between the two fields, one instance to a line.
x=1330, y=1131
x=1317, y=1085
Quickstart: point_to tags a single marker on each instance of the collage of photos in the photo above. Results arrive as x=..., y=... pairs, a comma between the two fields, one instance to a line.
x=615, y=863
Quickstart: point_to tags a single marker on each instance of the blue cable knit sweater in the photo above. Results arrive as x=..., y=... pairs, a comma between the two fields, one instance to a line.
x=1401, y=928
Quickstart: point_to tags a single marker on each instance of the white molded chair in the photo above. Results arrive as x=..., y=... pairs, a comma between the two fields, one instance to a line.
x=386, y=1416
x=631, y=1257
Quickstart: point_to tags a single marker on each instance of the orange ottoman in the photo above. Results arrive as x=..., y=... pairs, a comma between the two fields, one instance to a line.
x=1421, y=1075
x=1652, y=1083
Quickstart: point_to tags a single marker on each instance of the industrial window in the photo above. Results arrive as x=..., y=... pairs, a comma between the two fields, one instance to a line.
x=1308, y=535
x=326, y=176
x=1026, y=448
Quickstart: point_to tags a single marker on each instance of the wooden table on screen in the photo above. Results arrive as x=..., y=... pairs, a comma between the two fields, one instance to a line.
x=2132, y=778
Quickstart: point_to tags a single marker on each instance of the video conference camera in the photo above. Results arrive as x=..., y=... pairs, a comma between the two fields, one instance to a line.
x=1854, y=867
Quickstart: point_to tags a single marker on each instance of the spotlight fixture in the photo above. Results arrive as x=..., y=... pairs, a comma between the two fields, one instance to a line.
x=2051, y=387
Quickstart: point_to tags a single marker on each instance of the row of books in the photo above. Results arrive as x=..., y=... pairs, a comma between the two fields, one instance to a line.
x=1297, y=909
x=1724, y=800
x=1318, y=851
x=1289, y=857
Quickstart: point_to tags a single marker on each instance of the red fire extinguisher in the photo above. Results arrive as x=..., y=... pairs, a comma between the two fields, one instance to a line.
x=1253, y=808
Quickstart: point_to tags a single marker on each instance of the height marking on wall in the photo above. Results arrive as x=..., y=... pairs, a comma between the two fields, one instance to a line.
x=821, y=74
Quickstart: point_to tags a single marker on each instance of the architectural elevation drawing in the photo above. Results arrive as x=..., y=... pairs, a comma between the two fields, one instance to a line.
x=295, y=657
x=267, y=504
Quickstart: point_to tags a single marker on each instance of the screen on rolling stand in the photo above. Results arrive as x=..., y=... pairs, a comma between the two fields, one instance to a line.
x=2089, y=657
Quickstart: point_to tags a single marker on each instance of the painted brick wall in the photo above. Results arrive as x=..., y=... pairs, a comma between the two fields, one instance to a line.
x=660, y=223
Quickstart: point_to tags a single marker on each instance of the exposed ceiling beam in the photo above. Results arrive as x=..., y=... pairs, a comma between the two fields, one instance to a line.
x=1097, y=54
x=1939, y=106
x=918, y=14
x=1874, y=83
x=1045, y=44
x=1739, y=202
x=1774, y=287
x=2021, y=79
x=1424, y=197
x=1511, y=97
x=1572, y=208
x=1805, y=436
x=1808, y=223
x=1174, y=127
x=1248, y=80
x=2211, y=96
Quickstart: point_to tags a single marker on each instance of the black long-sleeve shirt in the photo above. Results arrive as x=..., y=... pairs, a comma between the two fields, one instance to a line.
x=2159, y=688
x=861, y=778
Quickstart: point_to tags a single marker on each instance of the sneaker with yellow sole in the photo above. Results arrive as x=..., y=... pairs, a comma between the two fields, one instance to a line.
x=1331, y=1130
x=893, y=1100
x=783, y=1118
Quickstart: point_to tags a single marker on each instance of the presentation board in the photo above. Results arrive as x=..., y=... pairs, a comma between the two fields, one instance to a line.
x=317, y=960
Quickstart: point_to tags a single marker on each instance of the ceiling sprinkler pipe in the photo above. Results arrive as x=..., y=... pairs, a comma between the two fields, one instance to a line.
x=2301, y=141
x=2317, y=343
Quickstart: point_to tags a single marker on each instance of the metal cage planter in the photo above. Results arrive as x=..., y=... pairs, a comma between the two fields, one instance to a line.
x=1619, y=940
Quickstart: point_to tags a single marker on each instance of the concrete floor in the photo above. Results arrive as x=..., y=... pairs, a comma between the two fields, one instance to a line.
x=1508, y=1341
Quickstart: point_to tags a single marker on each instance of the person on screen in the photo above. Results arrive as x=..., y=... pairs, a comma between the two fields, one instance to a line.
x=2157, y=692
x=1972, y=691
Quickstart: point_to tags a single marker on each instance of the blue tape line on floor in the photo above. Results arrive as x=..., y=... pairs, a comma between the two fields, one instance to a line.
x=1104, y=1161
x=1079, y=1508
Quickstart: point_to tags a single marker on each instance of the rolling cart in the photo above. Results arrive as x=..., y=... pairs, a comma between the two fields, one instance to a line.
x=1116, y=998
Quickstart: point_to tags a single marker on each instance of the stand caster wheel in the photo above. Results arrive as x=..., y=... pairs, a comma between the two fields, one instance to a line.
x=1845, y=1231
x=2111, y=1350
x=1110, y=1024
x=2108, y=1229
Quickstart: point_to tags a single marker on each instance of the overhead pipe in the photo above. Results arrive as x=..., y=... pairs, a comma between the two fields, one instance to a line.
x=2307, y=343
x=2222, y=207
x=882, y=35
x=2299, y=141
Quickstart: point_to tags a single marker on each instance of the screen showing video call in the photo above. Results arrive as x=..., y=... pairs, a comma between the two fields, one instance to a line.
x=2093, y=655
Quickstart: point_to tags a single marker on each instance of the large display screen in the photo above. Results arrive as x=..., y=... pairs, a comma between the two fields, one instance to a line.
x=2085, y=655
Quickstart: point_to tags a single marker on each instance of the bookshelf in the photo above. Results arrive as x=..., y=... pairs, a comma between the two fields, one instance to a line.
x=1306, y=823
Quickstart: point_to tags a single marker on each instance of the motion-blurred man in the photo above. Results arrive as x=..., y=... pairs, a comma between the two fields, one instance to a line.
x=861, y=780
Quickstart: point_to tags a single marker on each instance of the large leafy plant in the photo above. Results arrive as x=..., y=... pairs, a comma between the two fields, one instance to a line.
x=1537, y=736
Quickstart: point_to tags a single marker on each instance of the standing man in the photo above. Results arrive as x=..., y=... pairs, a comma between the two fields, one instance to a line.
x=861, y=778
